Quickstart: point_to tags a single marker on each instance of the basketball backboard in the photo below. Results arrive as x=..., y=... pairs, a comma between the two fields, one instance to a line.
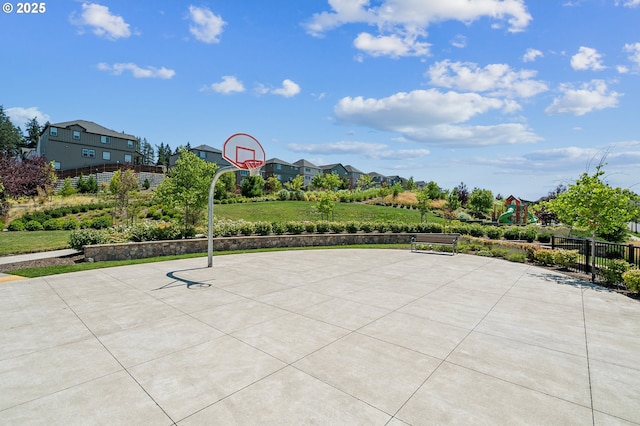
x=244, y=151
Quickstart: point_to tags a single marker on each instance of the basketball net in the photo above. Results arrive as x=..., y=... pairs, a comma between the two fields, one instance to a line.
x=253, y=166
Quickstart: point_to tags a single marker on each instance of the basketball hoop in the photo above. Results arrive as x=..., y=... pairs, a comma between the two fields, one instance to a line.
x=253, y=166
x=245, y=152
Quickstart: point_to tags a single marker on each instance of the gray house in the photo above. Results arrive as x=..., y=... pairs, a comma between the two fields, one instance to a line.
x=338, y=169
x=308, y=170
x=205, y=152
x=80, y=143
x=354, y=176
x=283, y=171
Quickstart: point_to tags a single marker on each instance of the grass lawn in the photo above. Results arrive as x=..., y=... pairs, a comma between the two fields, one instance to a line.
x=32, y=241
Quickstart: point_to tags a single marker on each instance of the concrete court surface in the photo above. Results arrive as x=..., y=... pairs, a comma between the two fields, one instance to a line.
x=323, y=337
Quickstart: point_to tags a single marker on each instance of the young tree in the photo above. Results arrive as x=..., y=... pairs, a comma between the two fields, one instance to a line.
x=593, y=204
x=296, y=183
x=331, y=181
x=22, y=178
x=273, y=184
x=480, y=201
x=463, y=194
x=10, y=135
x=364, y=181
x=423, y=203
x=318, y=181
x=225, y=184
x=396, y=190
x=121, y=187
x=187, y=186
x=452, y=204
x=435, y=192
x=326, y=205
x=411, y=184
x=251, y=186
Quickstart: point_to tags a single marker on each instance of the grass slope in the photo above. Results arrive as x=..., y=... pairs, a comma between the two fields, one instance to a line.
x=32, y=241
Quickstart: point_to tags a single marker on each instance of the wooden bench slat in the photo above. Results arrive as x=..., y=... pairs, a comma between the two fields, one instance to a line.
x=435, y=239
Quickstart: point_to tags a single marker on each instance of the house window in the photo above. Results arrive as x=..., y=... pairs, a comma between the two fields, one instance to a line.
x=56, y=165
x=53, y=131
x=244, y=173
x=76, y=135
x=279, y=177
x=127, y=158
x=307, y=170
x=278, y=166
x=129, y=144
x=106, y=155
x=202, y=154
x=105, y=139
x=90, y=153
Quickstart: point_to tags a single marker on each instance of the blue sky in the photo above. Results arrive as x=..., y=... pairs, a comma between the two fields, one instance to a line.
x=513, y=96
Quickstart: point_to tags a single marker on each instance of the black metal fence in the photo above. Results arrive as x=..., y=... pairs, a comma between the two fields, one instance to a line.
x=604, y=252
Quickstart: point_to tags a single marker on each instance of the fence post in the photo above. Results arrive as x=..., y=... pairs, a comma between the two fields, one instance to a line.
x=586, y=246
x=632, y=252
x=553, y=242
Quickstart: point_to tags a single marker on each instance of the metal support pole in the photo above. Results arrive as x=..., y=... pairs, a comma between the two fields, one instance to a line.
x=212, y=189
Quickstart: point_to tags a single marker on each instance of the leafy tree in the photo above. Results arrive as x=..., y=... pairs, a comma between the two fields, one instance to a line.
x=332, y=181
x=67, y=188
x=273, y=184
x=364, y=181
x=396, y=190
x=593, y=204
x=435, y=192
x=326, y=205
x=296, y=183
x=121, y=187
x=10, y=135
x=411, y=184
x=480, y=201
x=33, y=133
x=463, y=194
x=318, y=180
x=22, y=178
x=251, y=186
x=423, y=203
x=4, y=207
x=187, y=187
x=225, y=184
x=452, y=204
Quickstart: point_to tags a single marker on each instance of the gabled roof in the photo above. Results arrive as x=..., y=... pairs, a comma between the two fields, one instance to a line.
x=375, y=174
x=277, y=161
x=206, y=148
x=91, y=127
x=352, y=169
x=304, y=163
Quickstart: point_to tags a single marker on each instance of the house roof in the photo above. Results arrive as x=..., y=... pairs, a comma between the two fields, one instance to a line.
x=352, y=169
x=277, y=161
x=206, y=148
x=304, y=163
x=91, y=127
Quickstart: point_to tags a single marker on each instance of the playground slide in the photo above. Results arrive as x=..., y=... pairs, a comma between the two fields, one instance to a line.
x=506, y=216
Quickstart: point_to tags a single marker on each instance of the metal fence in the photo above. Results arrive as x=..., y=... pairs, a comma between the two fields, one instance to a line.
x=604, y=252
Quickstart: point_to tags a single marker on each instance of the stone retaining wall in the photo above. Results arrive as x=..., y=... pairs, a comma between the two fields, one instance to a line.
x=127, y=251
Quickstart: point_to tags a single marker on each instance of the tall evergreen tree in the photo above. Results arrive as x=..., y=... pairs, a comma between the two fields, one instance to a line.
x=164, y=152
x=147, y=151
x=33, y=133
x=10, y=135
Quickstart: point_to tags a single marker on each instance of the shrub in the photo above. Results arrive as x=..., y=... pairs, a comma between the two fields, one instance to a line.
x=322, y=227
x=298, y=195
x=396, y=227
x=146, y=184
x=247, y=228
x=86, y=237
x=381, y=227
x=612, y=273
x=85, y=223
x=517, y=257
x=70, y=224
x=429, y=227
x=283, y=195
x=511, y=233
x=529, y=233
x=262, y=228
x=33, y=225
x=310, y=227
x=279, y=228
x=631, y=279
x=544, y=237
x=337, y=227
x=494, y=232
x=485, y=253
x=16, y=225
x=367, y=227
x=565, y=258
x=476, y=230
x=352, y=227
x=52, y=224
x=102, y=222
x=499, y=252
x=544, y=256
x=295, y=228
x=459, y=227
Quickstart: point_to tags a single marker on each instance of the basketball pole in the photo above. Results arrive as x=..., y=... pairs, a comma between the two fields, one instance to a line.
x=212, y=189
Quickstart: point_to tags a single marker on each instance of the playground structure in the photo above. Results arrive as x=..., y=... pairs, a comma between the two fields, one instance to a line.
x=517, y=212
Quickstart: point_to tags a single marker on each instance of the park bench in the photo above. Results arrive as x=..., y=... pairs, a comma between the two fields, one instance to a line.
x=435, y=240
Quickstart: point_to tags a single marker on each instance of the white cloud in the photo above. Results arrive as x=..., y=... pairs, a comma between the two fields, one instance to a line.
x=634, y=53
x=228, y=85
x=206, y=26
x=391, y=45
x=459, y=41
x=587, y=58
x=433, y=117
x=374, y=151
x=531, y=55
x=20, y=116
x=588, y=97
x=136, y=71
x=288, y=89
x=401, y=22
x=104, y=23
x=622, y=69
x=629, y=3
x=496, y=79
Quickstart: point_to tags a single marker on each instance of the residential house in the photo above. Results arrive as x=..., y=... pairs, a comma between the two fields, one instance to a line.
x=354, y=176
x=378, y=180
x=283, y=171
x=308, y=170
x=80, y=143
x=205, y=152
x=338, y=169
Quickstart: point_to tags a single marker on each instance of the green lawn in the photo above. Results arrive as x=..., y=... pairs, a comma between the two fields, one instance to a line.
x=32, y=241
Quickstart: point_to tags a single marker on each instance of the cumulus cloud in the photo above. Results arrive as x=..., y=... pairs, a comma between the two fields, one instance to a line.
x=588, y=97
x=136, y=71
x=587, y=58
x=288, y=89
x=20, y=116
x=531, y=55
x=495, y=79
x=374, y=151
x=206, y=26
x=634, y=53
x=228, y=85
x=628, y=3
x=102, y=21
x=433, y=117
x=402, y=22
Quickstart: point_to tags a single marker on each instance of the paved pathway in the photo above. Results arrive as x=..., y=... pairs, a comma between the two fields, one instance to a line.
x=336, y=337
